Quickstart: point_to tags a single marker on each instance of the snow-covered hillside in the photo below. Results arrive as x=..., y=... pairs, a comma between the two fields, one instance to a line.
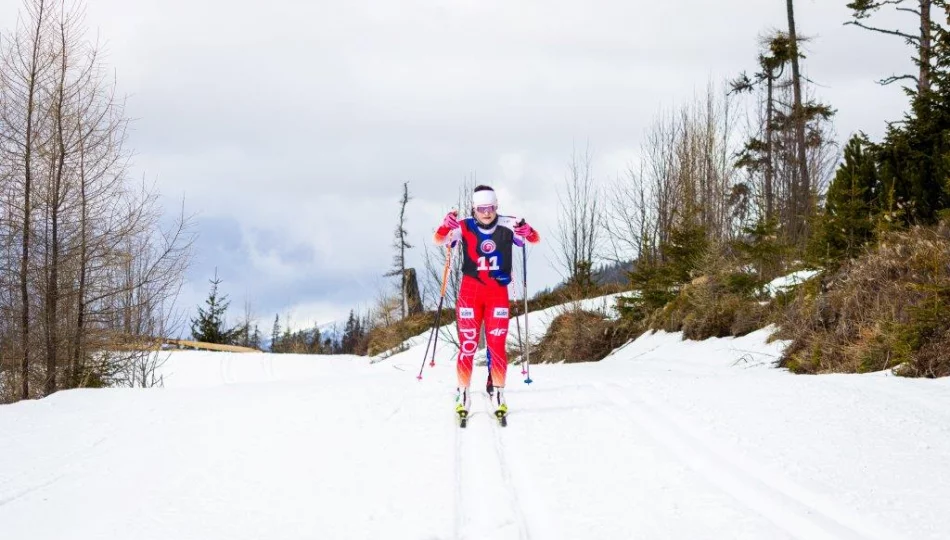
x=663, y=439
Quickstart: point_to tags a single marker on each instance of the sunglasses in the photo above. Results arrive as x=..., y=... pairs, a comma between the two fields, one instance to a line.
x=486, y=209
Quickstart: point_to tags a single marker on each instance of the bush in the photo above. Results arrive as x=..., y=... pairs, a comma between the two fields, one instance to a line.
x=384, y=338
x=713, y=306
x=887, y=309
x=580, y=336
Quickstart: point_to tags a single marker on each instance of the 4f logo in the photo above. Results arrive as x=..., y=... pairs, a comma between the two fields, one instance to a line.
x=498, y=332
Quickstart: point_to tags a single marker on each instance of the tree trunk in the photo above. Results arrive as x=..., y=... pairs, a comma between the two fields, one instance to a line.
x=27, y=207
x=56, y=200
x=923, y=79
x=75, y=362
x=803, y=186
x=769, y=160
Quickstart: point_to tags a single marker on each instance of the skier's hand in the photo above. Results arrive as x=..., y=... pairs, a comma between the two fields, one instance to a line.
x=451, y=221
x=522, y=229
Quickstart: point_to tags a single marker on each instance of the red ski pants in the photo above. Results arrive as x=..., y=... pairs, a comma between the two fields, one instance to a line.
x=482, y=303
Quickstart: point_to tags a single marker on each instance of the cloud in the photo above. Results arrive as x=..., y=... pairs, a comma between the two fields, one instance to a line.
x=290, y=126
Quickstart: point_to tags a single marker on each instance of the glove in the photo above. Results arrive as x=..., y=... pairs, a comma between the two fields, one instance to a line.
x=523, y=230
x=450, y=222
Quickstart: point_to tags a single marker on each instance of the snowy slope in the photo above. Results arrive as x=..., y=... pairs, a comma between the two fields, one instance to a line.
x=663, y=439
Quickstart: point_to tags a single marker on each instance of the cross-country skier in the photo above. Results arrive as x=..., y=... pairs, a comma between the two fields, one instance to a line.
x=486, y=240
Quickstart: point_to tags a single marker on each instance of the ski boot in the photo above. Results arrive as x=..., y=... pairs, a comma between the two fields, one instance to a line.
x=462, y=406
x=501, y=411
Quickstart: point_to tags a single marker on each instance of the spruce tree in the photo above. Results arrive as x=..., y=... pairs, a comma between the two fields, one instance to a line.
x=915, y=155
x=210, y=326
x=275, y=335
x=851, y=208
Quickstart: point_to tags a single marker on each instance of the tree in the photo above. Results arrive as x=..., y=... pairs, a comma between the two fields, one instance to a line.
x=579, y=222
x=914, y=158
x=27, y=64
x=802, y=199
x=852, y=205
x=210, y=325
x=275, y=335
x=758, y=155
x=255, y=341
x=81, y=247
x=351, y=334
x=408, y=285
x=923, y=42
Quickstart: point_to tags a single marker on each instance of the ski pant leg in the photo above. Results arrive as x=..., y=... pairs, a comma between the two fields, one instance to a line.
x=469, y=313
x=496, y=333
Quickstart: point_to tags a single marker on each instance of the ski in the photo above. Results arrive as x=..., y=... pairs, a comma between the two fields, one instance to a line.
x=463, y=418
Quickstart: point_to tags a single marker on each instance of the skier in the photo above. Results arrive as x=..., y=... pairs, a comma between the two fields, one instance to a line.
x=486, y=239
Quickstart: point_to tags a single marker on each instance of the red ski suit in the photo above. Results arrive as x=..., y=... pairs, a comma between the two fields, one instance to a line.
x=483, y=295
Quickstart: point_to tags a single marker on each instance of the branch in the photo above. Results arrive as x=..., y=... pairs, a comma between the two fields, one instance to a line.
x=893, y=78
x=908, y=37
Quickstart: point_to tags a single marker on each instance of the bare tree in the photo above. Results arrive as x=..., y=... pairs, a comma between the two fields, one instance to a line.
x=684, y=176
x=91, y=277
x=579, y=221
x=27, y=65
x=434, y=258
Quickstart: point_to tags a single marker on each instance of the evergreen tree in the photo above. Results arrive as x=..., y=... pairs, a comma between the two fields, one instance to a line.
x=314, y=345
x=275, y=335
x=210, y=326
x=760, y=247
x=914, y=159
x=400, y=245
x=350, y=334
x=852, y=205
x=255, y=341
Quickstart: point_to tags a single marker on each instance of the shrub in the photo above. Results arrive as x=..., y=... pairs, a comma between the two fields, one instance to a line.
x=887, y=309
x=580, y=336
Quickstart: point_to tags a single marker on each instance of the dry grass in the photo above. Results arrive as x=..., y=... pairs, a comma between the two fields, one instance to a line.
x=580, y=336
x=710, y=307
x=384, y=338
x=887, y=309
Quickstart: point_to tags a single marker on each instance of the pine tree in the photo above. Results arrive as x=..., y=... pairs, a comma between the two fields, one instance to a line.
x=350, y=334
x=275, y=335
x=314, y=345
x=852, y=205
x=914, y=158
x=923, y=41
x=400, y=244
x=255, y=341
x=210, y=326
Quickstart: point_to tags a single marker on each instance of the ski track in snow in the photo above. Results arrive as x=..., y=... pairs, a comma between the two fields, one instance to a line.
x=514, y=503
x=486, y=502
x=797, y=511
x=664, y=439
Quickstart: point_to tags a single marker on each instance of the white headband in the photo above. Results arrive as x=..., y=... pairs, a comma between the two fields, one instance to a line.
x=484, y=198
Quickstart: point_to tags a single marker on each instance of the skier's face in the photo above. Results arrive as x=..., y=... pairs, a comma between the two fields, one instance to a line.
x=485, y=214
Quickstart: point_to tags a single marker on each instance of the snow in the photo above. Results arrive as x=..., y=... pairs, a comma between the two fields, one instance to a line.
x=665, y=438
x=784, y=283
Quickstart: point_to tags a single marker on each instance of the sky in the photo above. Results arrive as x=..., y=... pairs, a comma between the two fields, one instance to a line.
x=288, y=127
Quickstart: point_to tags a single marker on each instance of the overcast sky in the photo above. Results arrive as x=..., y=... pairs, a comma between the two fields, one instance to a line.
x=288, y=126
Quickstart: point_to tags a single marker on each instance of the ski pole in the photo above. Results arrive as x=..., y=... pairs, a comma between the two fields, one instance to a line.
x=434, y=335
x=527, y=336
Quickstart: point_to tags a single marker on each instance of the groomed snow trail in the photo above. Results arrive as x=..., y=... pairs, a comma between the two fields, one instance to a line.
x=664, y=439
